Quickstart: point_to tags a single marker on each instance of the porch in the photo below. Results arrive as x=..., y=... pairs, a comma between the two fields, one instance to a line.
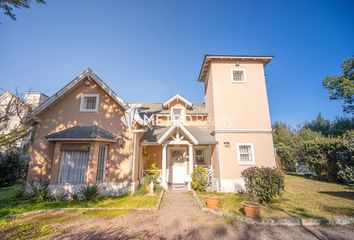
x=176, y=151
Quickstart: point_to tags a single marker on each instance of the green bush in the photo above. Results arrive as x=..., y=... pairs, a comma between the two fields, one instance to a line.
x=89, y=192
x=263, y=184
x=200, y=179
x=13, y=168
x=40, y=191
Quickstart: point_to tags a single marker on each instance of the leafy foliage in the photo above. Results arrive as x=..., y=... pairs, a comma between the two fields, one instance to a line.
x=40, y=191
x=200, y=179
x=13, y=167
x=90, y=192
x=342, y=87
x=264, y=183
x=8, y=6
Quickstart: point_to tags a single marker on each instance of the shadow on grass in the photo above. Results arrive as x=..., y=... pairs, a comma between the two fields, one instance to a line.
x=341, y=194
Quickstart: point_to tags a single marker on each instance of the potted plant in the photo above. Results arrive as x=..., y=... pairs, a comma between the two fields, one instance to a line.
x=251, y=207
x=262, y=184
x=212, y=201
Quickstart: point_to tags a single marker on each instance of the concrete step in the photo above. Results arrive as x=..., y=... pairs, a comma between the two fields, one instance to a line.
x=178, y=187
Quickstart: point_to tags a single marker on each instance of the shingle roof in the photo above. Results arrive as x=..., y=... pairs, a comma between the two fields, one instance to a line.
x=82, y=132
x=156, y=108
x=201, y=133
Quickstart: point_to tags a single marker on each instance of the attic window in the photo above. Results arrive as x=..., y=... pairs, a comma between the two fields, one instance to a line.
x=238, y=75
x=177, y=114
x=89, y=102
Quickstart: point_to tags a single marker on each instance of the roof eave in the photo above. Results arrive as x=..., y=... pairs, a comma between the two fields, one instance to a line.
x=265, y=58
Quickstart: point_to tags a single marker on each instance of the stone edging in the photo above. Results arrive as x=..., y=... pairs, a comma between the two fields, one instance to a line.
x=158, y=204
x=156, y=207
x=277, y=221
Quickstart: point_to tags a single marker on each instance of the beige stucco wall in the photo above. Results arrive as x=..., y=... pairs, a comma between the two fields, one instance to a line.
x=238, y=105
x=263, y=151
x=65, y=114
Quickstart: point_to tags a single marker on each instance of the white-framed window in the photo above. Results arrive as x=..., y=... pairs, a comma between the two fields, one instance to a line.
x=177, y=114
x=89, y=102
x=238, y=75
x=102, y=158
x=200, y=156
x=245, y=154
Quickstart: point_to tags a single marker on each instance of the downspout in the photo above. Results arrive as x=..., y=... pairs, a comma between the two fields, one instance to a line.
x=131, y=167
x=218, y=167
x=130, y=178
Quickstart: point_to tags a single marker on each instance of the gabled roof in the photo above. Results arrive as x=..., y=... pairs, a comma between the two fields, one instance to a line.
x=82, y=133
x=86, y=74
x=177, y=97
x=208, y=58
x=176, y=125
x=200, y=133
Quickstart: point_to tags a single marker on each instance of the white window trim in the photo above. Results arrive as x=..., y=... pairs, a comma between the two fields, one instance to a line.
x=104, y=165
x=83, y=95
x=183, y=114
x=239, y=155
x=238, y=69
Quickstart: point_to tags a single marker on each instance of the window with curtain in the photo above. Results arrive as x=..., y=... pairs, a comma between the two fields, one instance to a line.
x=102, y=157
x=74, y=161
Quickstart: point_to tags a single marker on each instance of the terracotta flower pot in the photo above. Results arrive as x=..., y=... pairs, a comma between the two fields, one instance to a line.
x=252, y=209
x=147, y=188
x=212, y=201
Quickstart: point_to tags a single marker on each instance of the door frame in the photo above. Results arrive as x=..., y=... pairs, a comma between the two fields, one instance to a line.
x=170, y=166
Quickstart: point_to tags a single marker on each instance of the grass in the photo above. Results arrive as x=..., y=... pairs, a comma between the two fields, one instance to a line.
x=303, y=198
x=10, y=203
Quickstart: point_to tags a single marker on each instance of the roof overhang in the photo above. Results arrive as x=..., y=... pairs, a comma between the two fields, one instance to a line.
x=177, y=97
x=208, y=58
x=87, y=74
x=81, y=140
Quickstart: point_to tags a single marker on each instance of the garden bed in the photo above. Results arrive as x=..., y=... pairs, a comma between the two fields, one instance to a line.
x=303, y=198
x=11, y=204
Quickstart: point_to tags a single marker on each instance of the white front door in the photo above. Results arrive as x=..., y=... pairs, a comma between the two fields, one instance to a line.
x=178, y=165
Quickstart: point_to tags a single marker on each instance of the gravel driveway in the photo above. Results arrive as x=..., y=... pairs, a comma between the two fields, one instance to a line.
x=180, y=218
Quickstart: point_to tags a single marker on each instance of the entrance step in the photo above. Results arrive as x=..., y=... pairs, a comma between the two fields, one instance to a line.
x=178, y=187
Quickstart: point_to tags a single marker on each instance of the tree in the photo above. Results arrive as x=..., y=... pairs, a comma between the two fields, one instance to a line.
x=342, y=87
x=8, y=6
x=320, y=125
x=12, y=112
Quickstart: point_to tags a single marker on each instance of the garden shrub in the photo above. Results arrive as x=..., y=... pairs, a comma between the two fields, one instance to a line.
x=40, y=191
x=89, y=192
x=264, y=184
x=200, y=179
x=13, y=167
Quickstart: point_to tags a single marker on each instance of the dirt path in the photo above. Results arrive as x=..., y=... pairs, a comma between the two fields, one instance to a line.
x=180, y=218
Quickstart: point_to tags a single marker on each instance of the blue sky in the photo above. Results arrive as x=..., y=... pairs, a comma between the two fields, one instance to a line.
x=151, y=50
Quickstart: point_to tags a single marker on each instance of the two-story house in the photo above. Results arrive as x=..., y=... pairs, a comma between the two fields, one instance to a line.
x=86, y=133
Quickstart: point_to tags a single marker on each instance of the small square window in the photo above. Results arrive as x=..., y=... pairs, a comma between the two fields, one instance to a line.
x=89, y=102
x=177, y=114
x=238, y=75
x=245, y=154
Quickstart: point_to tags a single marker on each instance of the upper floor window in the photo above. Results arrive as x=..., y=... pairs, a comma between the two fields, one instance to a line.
x=89, y=102
x=238, y=75
x=177, y=114
x=245, y=154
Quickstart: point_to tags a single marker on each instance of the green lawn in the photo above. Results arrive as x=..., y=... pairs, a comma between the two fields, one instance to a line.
x=303, y=198
x=11, y=204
